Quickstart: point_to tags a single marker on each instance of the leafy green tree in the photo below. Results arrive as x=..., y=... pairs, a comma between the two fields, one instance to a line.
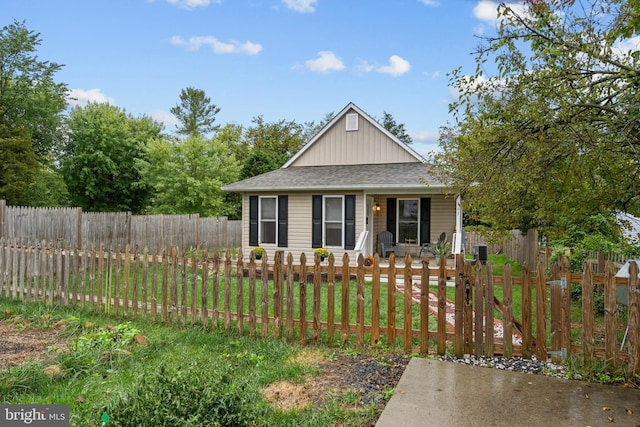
x=552, y=137
x=29, y=95
x=395, y=128
x=278, y=140
x=195, y=112
x=187, y=176
x=47, y=189
x=100, y=158
x=312, y=128
x=18, y=163
x=231, y=136
x=259, y=162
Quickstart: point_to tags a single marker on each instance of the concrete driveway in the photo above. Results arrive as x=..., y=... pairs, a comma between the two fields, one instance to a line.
x=437, y=393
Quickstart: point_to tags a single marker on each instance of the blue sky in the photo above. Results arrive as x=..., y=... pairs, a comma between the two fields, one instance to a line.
x=282, y=59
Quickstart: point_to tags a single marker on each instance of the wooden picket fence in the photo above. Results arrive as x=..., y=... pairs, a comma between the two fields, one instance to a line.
x=312, y=300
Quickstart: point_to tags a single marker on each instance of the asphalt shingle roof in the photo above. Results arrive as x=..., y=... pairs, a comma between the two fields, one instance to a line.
x=387, y=176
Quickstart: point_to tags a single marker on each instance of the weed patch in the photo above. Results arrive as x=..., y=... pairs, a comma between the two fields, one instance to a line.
x=186, y=397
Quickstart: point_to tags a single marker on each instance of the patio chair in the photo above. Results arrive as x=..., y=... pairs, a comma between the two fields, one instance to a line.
x=387, y=244
x=430, y=248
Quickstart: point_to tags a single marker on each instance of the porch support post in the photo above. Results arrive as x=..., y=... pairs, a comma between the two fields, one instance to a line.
x=457, y=234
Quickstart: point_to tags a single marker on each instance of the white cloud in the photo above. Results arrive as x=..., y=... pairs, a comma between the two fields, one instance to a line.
x=302, y=6
x=487, y=10
x=326, y=61
x=426, y=143
x=424, y=136
x=397, y=66
x=465, y=83
x=81, y=97
x=191, y=4
x=627, y=46
x=364, y=67
x=165, y=117
x=435, y=75
x=430, y=2
x=194, y=43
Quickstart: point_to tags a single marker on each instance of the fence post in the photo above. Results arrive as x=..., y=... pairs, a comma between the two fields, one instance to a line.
x=344, y=317
x=442, y=307
x=317, y=278
x=601, y=264
x=240, y=291
x=610, y=323
x=541, y=313
x=129, y=221
x=527, y=337
x=277, y=293
x=3, y=218
x=566, y=305
x=634, y=318
x=78, y=242
x=587, y=313
x=459, y=306
x=489, y=315
x=478, y=299
x=468, y=308
x=424, y=303
x=391, y=301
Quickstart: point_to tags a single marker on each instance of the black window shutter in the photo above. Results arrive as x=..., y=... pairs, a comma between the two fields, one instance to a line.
x=253, y=220
x=425, y=220
x=349, y=221
x=316, y=222
x=283, y=220
x=391, y=216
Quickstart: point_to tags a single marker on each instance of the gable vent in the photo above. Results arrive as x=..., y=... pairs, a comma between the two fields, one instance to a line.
x=352, y=122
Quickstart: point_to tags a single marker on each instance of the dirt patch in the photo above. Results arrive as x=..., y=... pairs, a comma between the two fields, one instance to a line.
x=371, y=377
x=19, y=345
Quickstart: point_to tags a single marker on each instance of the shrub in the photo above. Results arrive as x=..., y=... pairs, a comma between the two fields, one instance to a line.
x=186, y=397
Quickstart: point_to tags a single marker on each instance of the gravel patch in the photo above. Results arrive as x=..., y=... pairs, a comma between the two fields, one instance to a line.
x=526, y=366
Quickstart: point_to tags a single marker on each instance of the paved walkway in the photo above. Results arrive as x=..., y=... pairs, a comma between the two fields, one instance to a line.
x=436, y=393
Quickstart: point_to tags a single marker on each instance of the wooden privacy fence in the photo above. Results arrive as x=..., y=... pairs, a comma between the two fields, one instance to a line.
x=118, y=228
x=518, y=246
x=326, y=300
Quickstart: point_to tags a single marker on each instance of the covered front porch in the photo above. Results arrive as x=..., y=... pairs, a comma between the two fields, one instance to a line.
x=414, y=220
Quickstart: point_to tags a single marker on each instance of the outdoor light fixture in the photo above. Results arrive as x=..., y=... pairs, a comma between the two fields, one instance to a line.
x=376, y=207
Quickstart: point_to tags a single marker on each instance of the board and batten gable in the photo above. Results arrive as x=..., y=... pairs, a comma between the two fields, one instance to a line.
x=299, y=226
x=365, y=145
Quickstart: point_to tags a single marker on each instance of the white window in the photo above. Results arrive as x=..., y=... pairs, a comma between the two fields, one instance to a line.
x=408, y=220
x=333, y=224
x=352, y=122
x=268, y=220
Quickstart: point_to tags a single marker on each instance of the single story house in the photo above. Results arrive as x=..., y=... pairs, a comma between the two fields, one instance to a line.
x=350, y=182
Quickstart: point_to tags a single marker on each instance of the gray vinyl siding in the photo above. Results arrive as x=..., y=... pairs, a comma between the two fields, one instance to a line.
x=443, y=217
x=367, y=145
x=299, y=224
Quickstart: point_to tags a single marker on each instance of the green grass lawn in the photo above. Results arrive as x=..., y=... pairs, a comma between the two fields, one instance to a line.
x=212, y=374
